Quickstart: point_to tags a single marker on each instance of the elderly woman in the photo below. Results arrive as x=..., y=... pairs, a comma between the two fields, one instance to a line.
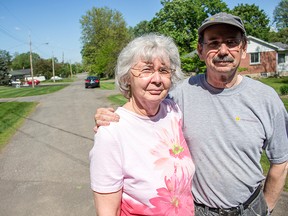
x=141, y=165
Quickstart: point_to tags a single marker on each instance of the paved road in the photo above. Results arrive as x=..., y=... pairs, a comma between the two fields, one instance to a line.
x=44, y=171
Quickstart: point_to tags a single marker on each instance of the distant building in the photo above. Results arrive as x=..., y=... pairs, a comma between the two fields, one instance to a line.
x=24, y=74
x=19, y=74
x=265, y=59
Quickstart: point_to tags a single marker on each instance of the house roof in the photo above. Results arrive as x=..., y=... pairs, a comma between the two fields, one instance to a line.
x=20, y=72
x=281, y=45
x=278, y=46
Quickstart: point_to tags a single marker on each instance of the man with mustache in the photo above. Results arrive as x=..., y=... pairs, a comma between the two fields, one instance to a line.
x=229, y=121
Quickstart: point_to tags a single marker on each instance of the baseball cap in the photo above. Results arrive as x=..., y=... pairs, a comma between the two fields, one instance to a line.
x=222, y=18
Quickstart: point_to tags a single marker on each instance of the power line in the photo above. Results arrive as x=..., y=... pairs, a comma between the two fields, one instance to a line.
x=19, y=20
x=6, y=32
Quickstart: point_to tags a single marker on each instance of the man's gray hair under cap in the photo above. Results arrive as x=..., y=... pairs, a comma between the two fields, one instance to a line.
x=222, y=18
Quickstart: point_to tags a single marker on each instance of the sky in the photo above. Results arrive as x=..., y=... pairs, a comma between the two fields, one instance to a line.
x=53, y=26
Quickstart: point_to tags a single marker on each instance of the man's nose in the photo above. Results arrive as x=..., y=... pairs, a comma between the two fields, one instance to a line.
x=223, y=49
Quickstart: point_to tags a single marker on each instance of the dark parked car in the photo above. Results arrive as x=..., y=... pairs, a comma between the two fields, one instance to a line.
x=92, y=82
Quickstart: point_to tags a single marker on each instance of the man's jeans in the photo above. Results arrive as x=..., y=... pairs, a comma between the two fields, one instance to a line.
x=258, y=207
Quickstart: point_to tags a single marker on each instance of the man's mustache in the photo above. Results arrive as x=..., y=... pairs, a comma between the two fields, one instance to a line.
x=222, y=59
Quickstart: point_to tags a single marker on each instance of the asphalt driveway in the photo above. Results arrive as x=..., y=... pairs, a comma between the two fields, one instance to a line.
x=44, y=171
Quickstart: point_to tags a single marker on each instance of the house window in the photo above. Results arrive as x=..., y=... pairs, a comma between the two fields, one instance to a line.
x=281, y=58
x=254, y=58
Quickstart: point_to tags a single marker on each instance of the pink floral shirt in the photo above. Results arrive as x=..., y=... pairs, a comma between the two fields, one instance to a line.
x=149, y=159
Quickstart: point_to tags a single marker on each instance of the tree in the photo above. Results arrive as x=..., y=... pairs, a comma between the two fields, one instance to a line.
x=6, y=57
x=280, y=36
x=43, y=67
x=280, y=14
x=180, y=20
x=141, y=28
x=104, y=34
x=22, y=61
x=4, y=75
x=256, y=22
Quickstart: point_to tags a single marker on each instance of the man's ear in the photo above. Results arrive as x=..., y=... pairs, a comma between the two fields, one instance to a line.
x=244, y=51
x=200, y=50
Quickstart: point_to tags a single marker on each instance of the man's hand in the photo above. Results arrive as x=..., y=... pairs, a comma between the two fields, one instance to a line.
x=104, y=116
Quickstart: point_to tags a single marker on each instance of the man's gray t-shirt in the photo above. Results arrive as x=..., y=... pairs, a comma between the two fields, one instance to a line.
x=227, y=130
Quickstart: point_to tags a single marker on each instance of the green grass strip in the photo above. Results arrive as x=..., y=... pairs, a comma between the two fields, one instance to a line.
x=12, y=116
x=12, y=92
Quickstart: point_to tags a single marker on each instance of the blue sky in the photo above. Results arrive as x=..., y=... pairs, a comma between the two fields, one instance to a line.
x=56, y=22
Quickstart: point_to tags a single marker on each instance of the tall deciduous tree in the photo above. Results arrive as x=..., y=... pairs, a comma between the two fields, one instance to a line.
x=256, y=22
x=180, y=20
x=280, y=36
x=280, y=14
x=104, y=34
x=141, y=28
x=22, y=61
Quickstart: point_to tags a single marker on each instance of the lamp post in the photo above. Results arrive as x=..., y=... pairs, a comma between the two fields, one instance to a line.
x=53, y=70
x=31, y=61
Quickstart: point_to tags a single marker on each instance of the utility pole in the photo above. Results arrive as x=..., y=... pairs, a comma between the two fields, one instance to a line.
x=53, y=69
x=70, y=69
x=31, y=62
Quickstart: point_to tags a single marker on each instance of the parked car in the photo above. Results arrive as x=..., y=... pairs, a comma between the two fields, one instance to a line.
x=36, y=82
x=92, y=82
x=56, y=78
x=16, y=82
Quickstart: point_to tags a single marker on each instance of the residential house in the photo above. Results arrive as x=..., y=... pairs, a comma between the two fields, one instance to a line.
x=24, y=74
x=19, y=74
x=264, y=59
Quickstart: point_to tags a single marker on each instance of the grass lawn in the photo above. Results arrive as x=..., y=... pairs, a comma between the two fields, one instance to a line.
x=107, y=85
x=118, y=99
x=12, y=92
x=12, y=115
x=275, y=83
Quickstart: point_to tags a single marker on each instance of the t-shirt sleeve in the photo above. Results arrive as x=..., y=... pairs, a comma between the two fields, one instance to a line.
x=277, y=148
x=105, y=163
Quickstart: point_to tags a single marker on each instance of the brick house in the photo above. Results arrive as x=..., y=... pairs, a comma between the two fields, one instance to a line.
x=264, y=59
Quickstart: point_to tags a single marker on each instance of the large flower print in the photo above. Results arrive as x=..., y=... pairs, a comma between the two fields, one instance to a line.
x=172, y=152
x=175, y=199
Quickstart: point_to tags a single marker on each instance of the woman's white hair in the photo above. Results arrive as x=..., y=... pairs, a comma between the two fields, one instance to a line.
x=146, y=48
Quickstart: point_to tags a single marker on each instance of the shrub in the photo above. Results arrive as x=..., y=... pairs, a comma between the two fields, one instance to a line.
x=284, y=89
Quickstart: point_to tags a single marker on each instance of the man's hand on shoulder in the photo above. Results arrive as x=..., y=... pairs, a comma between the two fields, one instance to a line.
x=104, y=116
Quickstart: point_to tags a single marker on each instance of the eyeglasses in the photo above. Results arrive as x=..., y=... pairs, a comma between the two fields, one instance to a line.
x=231, y=44
x=149, y=71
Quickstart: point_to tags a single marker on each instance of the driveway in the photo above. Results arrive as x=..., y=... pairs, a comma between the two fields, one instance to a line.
x=45, y=168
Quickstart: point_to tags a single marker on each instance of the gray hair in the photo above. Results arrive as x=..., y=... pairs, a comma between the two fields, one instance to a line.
x=146, y=48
